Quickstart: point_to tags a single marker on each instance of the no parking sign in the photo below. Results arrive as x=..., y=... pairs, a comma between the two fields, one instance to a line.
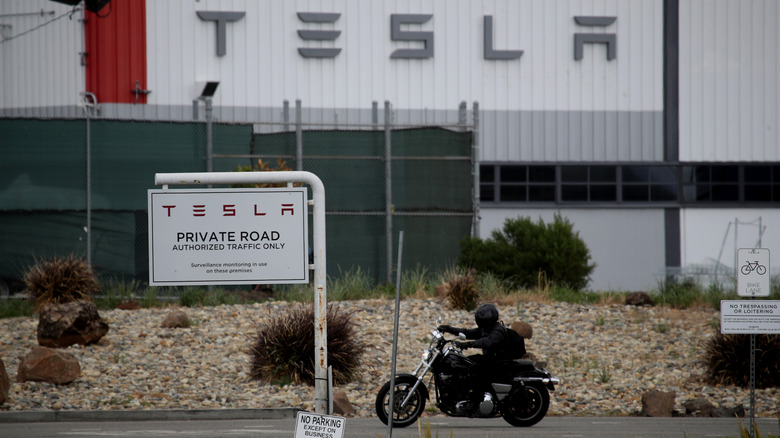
x=310, y=425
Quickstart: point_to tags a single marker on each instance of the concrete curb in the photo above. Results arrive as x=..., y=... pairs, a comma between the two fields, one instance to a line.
x=151, y=415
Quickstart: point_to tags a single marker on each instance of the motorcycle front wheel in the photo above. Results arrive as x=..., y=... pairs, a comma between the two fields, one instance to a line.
x=526, y=405
x=402, y=415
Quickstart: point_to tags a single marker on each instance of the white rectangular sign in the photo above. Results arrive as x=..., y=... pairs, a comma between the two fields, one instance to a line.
x=309, y=425
x=228, y=236
x=750, y=317
x=753, y=272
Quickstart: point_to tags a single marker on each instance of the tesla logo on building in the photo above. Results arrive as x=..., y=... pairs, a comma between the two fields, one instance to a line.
x=399, y=32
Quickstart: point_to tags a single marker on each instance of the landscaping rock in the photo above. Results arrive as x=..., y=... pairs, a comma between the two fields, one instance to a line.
x=66, y=324
x=48, y=365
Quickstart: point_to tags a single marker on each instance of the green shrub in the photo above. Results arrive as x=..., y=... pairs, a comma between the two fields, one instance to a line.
x=681, y=294
x=60, y=280
x=523, y=249
x=15, y=307
x=283, y=349
x=726, y=359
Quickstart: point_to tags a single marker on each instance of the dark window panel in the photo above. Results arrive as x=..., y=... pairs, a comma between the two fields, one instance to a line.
x=725, y=174
x=541, y=174
x=635, y=174
x=603, y=174
x=487, y=192
x=513, y=173
x=574, y=174
x=689, y=193
x=776, y=192
x=541, y=193
x=603, y=193
x=758, y=174
x=487, y=173
x=513, y=194
x=701, y=174
x=703, y=192
x=663, y=174
x=758, y=193
x=574, y=193
x=688, y=173
x=663, y=192
x=725, y=192
x=635, y=193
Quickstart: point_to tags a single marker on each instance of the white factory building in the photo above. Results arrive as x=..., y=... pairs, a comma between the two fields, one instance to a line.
x=652, y=125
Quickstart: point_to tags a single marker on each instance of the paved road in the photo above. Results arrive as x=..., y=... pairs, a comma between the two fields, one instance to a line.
x=565, y=427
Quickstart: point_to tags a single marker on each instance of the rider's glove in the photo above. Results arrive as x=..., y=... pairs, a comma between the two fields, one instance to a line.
x=446, y=329
x=463, y=345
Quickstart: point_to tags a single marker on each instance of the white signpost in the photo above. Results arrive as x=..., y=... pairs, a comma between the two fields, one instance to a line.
x=751, y=317
x=227, y=207
x=228, y=236
x=753, y=274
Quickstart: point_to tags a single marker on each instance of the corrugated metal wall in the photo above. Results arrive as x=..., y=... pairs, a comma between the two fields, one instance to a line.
x=40, y=64
x=729, y=80
x=544, y=106
x=262, y=65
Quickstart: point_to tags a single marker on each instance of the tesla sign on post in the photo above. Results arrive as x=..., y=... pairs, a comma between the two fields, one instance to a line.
x=228, y=236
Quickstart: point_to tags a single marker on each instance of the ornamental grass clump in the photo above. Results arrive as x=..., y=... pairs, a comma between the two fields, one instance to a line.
x=283, y=348
x=726, y=359
x=460, y=288
x=60, y=280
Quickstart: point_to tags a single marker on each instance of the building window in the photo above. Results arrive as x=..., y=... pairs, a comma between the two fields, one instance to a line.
x=651, y=184
x=588, y=183
x=512, y=183
x=751, y=183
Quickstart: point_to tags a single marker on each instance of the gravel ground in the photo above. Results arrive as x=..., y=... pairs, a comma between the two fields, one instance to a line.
x=605, y=356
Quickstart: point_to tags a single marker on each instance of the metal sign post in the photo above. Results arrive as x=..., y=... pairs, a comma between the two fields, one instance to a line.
x=321, y=396
x=753, y=317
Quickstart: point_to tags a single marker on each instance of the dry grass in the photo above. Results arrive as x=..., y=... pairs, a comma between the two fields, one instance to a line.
x=281, y=351
x=60, y=280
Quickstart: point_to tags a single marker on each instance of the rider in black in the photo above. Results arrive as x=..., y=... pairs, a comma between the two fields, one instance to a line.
x=490, y=335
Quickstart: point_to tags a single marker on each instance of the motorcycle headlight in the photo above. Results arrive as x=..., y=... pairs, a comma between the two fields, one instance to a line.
x=426, y=354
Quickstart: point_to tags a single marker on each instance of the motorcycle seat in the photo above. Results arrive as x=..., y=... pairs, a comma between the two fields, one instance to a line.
x=523, y=365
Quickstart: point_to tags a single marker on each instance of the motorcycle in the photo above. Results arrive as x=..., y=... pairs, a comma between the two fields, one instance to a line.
x=521, y=396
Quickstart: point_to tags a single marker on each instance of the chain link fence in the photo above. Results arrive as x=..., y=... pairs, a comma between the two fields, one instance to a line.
x=79, y=186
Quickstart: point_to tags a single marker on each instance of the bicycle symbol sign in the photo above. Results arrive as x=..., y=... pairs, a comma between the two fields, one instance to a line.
x=754, y=266
x=752, y=280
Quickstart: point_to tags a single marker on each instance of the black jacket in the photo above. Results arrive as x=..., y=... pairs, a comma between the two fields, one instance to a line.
x=493, y=342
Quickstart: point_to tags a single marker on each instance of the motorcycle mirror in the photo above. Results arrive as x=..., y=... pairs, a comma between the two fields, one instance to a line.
x=461, y=336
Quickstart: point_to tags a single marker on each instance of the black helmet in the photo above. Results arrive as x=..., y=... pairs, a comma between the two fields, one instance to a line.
x=486, y=316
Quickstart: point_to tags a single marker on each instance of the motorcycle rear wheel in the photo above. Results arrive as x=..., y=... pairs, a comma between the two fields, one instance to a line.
x=525, y=411
x=402, y=416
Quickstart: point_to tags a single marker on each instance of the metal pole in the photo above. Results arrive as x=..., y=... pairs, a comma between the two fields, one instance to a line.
x=752, y=384
x=475, y=167
x=395, y=335
x=736, y=247
x=298, y=136
x=89, y=191
x=388, y=192
x=209, y=137
x=318, y=233
x=286, y=115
